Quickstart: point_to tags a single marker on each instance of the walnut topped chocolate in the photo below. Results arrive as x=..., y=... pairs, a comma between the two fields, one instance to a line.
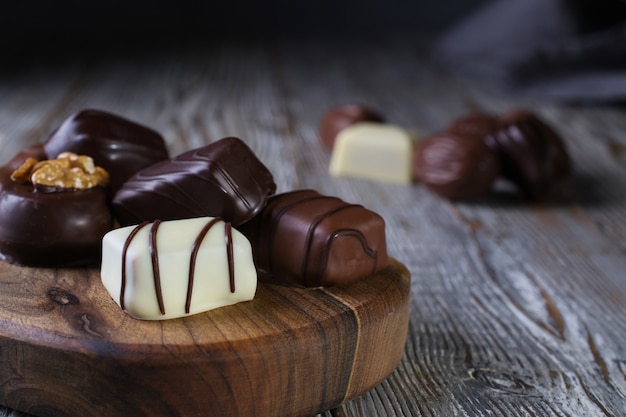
x=53, y=213
x=55, y=196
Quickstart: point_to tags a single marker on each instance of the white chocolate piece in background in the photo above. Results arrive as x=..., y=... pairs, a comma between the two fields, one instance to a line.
x=375, y=151
x=175, y=241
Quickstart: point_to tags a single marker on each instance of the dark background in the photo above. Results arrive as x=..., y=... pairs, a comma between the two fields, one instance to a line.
x=576, y=48
x=45, y=23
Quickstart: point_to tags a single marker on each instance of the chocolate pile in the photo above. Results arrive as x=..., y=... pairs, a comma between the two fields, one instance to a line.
x=300, y=237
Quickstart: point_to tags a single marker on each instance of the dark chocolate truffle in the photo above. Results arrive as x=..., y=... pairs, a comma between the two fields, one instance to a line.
x=456, y=167
x=533, y=155
x=309, y=239
x=61, y=228
x=340, y=117
x=120, y=146
x=224, y=179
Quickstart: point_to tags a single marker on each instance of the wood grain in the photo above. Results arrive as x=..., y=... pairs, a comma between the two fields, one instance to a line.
x=67, y=349
x=517, y=309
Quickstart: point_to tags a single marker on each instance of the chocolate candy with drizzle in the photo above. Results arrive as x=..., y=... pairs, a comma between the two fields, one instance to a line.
x=309, y=239
x=169, y=269
x=224, y=179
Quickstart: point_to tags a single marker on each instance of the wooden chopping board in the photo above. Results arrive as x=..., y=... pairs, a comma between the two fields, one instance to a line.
x=66, y=349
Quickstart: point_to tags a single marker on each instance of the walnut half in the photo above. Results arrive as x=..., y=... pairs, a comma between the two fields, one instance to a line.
x=69, y=171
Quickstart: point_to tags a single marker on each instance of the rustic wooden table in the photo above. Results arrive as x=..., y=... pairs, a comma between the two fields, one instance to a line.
x=517, y=309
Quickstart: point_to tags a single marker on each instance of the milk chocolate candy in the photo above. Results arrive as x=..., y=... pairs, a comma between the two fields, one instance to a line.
x=374, y=151
x=455, y=167
x=338, y=118
x=309, y=239
x=224, y=179
x=170, y=269
x=120, y=146
x=59, y=228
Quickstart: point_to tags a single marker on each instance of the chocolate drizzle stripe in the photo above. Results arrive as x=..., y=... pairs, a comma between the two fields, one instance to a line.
x=309, y=240
x=172, y=194
x=232, y=183
x=228, y=236
x=192, y=261
x=362, y=240
x=154, y=255
x=127, y=243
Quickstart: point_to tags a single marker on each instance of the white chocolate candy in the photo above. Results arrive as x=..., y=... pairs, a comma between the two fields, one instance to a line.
x=375, y=151
x=170, y=269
